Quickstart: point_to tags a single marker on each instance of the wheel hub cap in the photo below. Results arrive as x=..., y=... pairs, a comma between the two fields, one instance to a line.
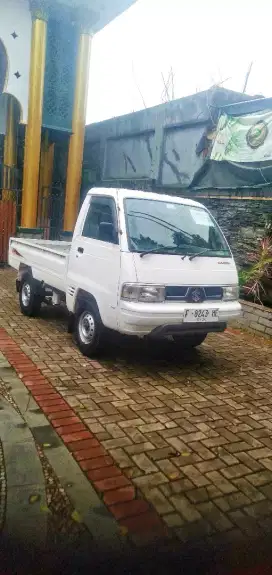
x=26, y=294
x=86, y=327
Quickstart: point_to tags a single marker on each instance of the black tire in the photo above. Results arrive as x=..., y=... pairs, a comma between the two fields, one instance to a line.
x=89, y=330
x=30, y=301
x=189, y=341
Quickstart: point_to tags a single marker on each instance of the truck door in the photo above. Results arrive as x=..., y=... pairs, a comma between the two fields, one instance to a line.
x=94, y=263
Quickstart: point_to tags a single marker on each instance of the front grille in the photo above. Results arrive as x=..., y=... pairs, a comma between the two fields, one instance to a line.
x=180, y=293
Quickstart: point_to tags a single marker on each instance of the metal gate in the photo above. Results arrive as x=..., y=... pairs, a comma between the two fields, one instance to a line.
x=9, y=208
x=50, y=212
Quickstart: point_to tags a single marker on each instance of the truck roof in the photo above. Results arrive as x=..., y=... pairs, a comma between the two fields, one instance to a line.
x=125, y=193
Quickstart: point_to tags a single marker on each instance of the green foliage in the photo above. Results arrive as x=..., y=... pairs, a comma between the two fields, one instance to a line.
x=251, y=280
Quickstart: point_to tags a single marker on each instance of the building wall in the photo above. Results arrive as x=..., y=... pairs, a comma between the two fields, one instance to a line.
x=242, y=222
x=157, y=149
x=159, y=144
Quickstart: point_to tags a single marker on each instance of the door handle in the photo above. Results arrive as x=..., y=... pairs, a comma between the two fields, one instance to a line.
x=80, y=250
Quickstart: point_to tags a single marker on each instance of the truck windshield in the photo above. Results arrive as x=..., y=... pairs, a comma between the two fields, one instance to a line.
x=168, y=227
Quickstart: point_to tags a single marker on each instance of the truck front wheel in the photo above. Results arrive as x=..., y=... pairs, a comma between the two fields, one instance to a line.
x=189, y=341
x=88, y=331
x=30, y=301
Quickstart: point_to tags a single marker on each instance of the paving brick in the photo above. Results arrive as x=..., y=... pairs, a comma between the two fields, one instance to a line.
x=199, y=448
x=261, y=453
x=210, y=416
x=119, y=495
x=158, y=500
x=65, y=421
x=112, y=483
x=267, y=490
x=103, y=472
x=53, y=409
x=169, y=469
x=144, y=463
x=185, y=508
x=177, y=443
x=121, y=457
x=266, y=462
x=211, y=512
x=163, y=453
x=135, y=435
x=249, y=490
x=210, y=465
x=129, y=509
x=45, y=396
x=238, y=446
x=191, y=437
x=213, y=491
x=219, y=481
x=260, y=478
x=151, y=427
x=215, y=441
x=57, y=401
x=253, y=464
x=151, y=480
x=91, y=453
x=226, y=457
x=96, y=427
x=146, y=522
x=233, y=501
x=139, y=447
x=66, y=429
x=155, y=438
x=235, y=471
x=76, y=436
x=195, y=476
x=174, y=487
x=60, y=414
x=114, y=443
x=95, y=463
x=173, y=520
x=260, y=509
x=130, y=423
x=198, y=495
x=84, y=444
x=132, y=472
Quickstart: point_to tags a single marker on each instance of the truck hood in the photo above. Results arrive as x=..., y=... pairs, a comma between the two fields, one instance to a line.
x=168, y=269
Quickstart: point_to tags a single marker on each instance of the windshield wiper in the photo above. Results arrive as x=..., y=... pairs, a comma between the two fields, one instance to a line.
x=159, y=221
x=197, y=254
x=162, y=250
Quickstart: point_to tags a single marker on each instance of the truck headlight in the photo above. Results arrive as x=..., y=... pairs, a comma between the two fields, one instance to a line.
x=230, y=293
x=143, y=293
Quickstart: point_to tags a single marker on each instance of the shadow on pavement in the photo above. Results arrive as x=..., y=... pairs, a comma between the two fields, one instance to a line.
x=249, y=558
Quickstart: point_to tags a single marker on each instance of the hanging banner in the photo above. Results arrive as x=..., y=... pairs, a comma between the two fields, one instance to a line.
x=243, y=138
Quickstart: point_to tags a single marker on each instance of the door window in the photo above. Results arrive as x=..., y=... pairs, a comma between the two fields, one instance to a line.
x=101, y=220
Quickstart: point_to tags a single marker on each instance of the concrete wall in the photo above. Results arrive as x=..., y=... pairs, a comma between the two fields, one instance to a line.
x=156, y=149
x=157, y=145
x=255, y=318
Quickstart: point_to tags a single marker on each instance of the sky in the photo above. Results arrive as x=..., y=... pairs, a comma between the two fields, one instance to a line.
x=203, y=42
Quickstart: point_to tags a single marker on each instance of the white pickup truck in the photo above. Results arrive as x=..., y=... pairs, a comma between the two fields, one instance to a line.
x=139, y=263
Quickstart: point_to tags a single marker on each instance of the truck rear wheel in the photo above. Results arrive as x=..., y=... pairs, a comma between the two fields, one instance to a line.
x=30, y=301
x=189, y=341
x=88, y=331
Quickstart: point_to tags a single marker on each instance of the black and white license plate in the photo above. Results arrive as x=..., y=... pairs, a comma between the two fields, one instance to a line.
x=200, y=315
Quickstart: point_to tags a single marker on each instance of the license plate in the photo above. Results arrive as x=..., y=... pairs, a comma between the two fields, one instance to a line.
x=200, y=315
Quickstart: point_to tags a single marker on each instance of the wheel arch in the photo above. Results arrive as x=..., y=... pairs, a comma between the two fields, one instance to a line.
x=24, y=272
x=84, y=298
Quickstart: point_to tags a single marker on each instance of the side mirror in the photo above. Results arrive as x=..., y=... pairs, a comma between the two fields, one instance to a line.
x=107, y=232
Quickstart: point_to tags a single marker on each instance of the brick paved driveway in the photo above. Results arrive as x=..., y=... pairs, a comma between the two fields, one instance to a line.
x=193, y=432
